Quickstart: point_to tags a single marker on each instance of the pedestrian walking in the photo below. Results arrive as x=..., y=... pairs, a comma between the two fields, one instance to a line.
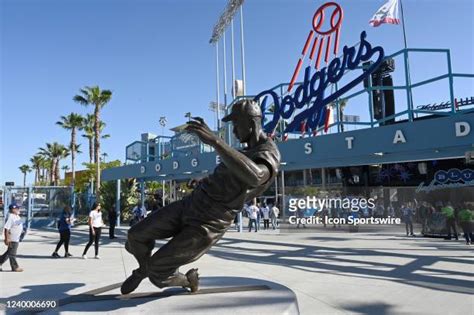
x=266, y=216
x=407, y=213
x=465, y=220
x=112, y=222
x=300, y=214
x=139, y=213
x=12, y=231
x=448, y=212
x=64, y=229
x=95, y=229
x=246, y=211
x=253, y=214
x=259, y=216
x=274, y=213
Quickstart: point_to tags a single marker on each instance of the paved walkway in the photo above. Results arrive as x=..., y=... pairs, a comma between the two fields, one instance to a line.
x=331, y=271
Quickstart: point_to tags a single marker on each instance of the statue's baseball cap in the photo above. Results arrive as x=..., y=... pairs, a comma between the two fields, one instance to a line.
x=246, y=107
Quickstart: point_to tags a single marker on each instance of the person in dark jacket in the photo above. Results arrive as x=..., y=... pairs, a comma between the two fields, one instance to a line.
x=112, y=222
x=64, y=228
x=407, y=213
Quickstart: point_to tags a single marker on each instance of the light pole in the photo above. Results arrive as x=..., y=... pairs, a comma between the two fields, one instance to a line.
x=213, y=107
x=242, y=49
x=163, y=122
x=224, y=21
x=188, y=115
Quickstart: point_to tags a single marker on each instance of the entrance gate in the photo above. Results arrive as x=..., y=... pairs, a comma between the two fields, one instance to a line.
x=40, y=206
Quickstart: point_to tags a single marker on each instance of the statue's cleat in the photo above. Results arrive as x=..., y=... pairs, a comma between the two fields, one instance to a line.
x=193, y=278
x=130, y=284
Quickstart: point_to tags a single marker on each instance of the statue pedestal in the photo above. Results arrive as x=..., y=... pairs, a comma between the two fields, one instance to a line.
x=219, y=295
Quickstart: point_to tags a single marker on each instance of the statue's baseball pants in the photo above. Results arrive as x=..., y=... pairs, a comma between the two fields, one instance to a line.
x=193, y=228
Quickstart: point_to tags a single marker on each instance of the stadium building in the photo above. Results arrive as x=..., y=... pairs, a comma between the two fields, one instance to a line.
x=395, y=146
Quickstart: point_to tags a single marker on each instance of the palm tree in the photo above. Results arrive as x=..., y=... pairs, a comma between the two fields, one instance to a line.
x=104, y=155
x=65, y=168
x=78, y=151
x=55, y=152
x=48, y=164
x=72, y=122
x=98, y=98
x=46, y=168
x=36, y=163
x=89, y=133
x=25, y=169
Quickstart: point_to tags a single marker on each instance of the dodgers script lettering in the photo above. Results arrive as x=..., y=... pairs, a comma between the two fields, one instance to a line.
x=311, y=92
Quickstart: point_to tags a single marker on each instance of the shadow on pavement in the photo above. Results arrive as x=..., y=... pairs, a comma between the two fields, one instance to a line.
x=370, y=308
x=41, y=292
x=276, y=297
x=341, y=261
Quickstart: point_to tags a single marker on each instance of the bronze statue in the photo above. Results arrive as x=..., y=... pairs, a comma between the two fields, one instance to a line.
x=199, y=220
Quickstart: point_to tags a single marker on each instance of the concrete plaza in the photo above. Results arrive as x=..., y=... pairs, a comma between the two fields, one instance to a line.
x=328, y=271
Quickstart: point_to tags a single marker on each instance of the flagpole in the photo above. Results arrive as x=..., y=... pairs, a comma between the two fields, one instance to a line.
x=403, y=25
x=407, y=66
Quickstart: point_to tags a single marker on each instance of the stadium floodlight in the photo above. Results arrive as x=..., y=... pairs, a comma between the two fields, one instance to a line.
x=225, y=19
x=213, y=106
x=163, y=121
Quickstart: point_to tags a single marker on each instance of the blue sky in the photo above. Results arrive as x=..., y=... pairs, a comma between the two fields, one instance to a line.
x=155, y=57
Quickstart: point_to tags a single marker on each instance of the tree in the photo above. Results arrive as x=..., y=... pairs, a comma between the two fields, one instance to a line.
x=129, y=195
x=104, y=155
x=89, y=133
x=55, y=152
x=72, y=122
x=98, y=98
x=24, y=169
x=37, y=163
x=65, y=168
x=46, y=164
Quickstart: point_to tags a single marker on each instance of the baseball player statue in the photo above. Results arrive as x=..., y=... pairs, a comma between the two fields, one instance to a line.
x=200, y=219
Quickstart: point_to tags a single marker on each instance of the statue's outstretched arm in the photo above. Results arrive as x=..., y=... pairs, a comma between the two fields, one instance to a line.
x=251, y=173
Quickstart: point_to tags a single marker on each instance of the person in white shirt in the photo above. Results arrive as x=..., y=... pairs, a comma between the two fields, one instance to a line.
x=12, y=232
x=247, y=212
x=266, y=216
x=95, y=229
x=274, y=213
x=253, y=213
